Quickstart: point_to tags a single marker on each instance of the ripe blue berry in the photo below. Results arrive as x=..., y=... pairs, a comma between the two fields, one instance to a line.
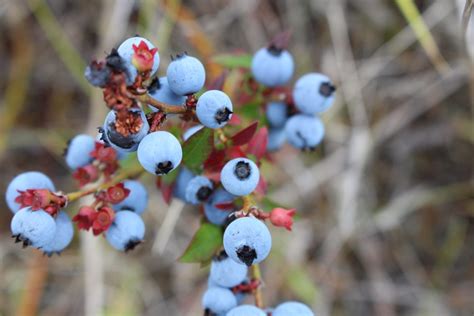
x=304, y=132
x=137, y=199
x=240, y=176
x=218, y=300
x=313, y=93
x=214, y=109
x=191, y=131
x=125, y=50
x=292, y=309
x=24, y=181
x=33, y=228
x=198, y=190
x=126, y=231
x=216, y=215
x=246, y=310
x=77, y=151
x=272, y=67
x=159, y=153
x=247, y=240
x=277, y=114
x=226, y=272
x=63, y=236
x=160, y=90
x=122, y=143
x=179, y=189
x=186, y=75
x=276, y=138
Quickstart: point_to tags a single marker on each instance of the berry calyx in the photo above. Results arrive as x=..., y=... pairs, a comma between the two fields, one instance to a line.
x=143, y=56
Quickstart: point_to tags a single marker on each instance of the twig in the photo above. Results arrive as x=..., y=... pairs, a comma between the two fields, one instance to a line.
x=257, y=275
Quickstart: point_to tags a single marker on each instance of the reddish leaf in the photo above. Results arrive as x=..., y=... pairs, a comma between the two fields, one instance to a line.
x=261, y=188
x=258, y=144
x=218, y=83
x=166, y=189
x=245, y=135
x=235, y=120
x=235, y=152
x=225, y=206
x=215, y=161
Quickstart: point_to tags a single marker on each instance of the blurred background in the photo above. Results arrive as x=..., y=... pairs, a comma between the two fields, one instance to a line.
x=386, y=212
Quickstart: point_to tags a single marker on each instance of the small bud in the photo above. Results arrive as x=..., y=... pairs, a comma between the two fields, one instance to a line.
x=281, y=217
x=86, y=174
x=143, y=57
x=104, y=153
x=85, y=217
x=104, y=218
x=117, y=193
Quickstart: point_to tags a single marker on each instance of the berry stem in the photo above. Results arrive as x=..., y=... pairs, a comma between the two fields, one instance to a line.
x=248, y=203
x=163, y=107
x=257, y=275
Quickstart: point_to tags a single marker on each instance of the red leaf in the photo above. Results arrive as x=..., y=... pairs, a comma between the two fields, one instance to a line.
x=261, y=188
x=166, y=190
x=234, y=120
x=258, y=144
x=235, y=152
x=218, y=83
x=215, y=161
x=245, y=135
x=225, y=206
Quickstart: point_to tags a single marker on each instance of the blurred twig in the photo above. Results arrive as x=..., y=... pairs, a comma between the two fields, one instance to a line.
x=466, y=16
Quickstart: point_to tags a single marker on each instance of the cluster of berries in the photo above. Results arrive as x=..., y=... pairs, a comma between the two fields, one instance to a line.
x=218, y=172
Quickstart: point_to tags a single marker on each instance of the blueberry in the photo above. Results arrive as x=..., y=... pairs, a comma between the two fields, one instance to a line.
x=33, y=228
x=277, y=114
x=130, y=142
x=179, y=189
x=126, y=232
x=191, y=131
x=246, y=310
x=186, y=75
x=63, y=236
x=125, y=50
x=214, y=109
x=240, y=176
x=159, y=152
x=137, y=199
x=160, y=90
x=313, y=93
x=226, y=272
x=216, y=215
x=218, y=300
x=276, y=138
x=247, y=240
x=78, y=150
x=198, y=190
x=304, y=132
x=24, y=181
x=292, y=309
x=272, y=67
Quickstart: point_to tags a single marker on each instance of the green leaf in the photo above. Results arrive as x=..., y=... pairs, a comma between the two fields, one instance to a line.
x=129, y=161
x=197, y=148
x=252, y=111
x=299, y=282
x=233, y=61
x=205, y=243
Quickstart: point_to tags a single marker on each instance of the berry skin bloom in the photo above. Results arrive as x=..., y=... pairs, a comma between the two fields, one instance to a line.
x=247, y=241
x=33, y=228
x=127, y=52
x=215, y=215
x=272, y=67
x=304, y=132
x=129, y=142
x=159, y=153
x=276, y=139
x=292, y=309
x=63, y=236
x=246, y=310
x=179, y=189
x=160, y=90
x=126, y=231
x=214, y=109
x=136, y=201
x=226, y=272
x=218, y=300
x=313, y=93
x=186, y=75
x=77, y=153
x=198, y=190
x=240, y=176
x=277, y=114
x=23, y=182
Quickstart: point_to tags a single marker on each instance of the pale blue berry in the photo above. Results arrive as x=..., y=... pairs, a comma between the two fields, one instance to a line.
x=240, y=176
x=272, y=67
x=292, y=309
x=126, y=232
x=161, y=91
x=63, y=236
x=186, y=75
x=276, y=138
x=77, y=153
x=247, y=240
x=218, y=300
x=33, y=228
x=214, y=214
x=24, y=181
x=313, y=93
x=179, y=189
x=159, y=152
x=137, y=199
x=304, y=132
x=214, y=109
x=226, y=272
x=198, y=190
x=125, y=50
x=124, y=143
x=246, y=310
x=277, y=114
